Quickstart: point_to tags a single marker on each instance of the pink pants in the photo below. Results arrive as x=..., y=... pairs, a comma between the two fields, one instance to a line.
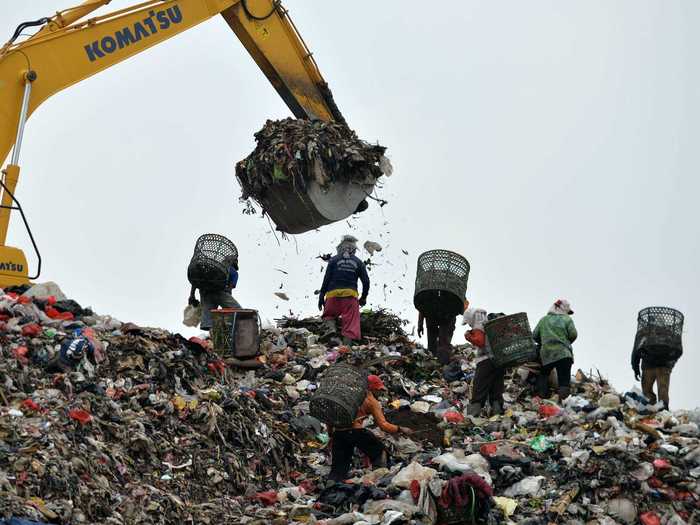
x=348, y=309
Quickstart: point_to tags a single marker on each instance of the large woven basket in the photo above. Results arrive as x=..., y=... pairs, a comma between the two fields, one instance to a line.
x=340, y=394
x=209, y=266
x=660, y=332
x=510, y=340
x=441, y=283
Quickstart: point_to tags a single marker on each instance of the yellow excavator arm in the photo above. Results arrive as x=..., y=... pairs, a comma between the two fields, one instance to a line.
x=69, y=48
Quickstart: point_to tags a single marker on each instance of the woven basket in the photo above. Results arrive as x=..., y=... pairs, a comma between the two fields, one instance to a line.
x=340, y=394
x=441, y=283
x=510, y=340
x=210, y=263
x=660, y=332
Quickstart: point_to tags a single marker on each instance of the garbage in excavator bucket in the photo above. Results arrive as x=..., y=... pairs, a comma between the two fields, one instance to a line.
x=309, y=173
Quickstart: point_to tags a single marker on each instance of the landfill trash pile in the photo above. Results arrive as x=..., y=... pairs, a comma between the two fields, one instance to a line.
x=298, y=151
x=149, y=427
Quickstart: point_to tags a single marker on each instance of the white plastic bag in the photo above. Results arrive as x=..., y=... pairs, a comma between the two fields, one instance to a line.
x=413, y=471
x=192, y=315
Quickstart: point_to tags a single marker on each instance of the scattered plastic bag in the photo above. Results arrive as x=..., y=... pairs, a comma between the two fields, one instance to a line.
x=414, y=471
x=192, y=315
x=526, y=487
x=540, y=443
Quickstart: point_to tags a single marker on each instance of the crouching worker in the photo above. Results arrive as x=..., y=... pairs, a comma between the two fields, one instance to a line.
x=555, y=333
x=215, y=298
x=71, y=354
x=345, y=440
x=489, y=380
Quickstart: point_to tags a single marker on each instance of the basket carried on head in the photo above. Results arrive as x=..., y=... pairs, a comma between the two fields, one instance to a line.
x=510, y=340
x=209, y=266
x=441, y=283
x=236, y=331
x=339, y=396
x=659, y=332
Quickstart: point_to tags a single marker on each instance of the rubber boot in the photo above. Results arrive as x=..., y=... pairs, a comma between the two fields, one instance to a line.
x=564, y=392
x=474, y=409
x=329, y=330
x=381, y=461
x=496, y=408
x=542, y=385
x=347, y=341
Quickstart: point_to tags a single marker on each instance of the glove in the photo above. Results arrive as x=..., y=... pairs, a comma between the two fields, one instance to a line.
x=420, y=331
x=193, y=302
x=321, y=303
x=363, y=301
x=636, y=374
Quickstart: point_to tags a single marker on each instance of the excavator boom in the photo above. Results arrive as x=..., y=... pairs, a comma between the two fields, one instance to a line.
x=68, y=49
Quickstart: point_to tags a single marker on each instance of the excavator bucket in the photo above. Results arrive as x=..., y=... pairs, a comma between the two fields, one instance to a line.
x=294, y=211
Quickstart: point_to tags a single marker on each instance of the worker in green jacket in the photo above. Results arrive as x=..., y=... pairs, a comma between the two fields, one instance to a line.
x=554, y=333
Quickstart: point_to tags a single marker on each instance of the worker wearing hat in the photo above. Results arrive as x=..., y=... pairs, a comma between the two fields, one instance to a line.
x=555, y=333
x=345, y=440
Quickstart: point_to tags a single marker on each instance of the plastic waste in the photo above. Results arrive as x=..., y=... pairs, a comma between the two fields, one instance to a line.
x=540, y=443
x=192, y=315
x=414, y=471
x=529, y=486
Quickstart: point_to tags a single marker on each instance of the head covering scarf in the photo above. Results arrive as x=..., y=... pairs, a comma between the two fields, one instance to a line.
x=562, y=307
x=347, y=246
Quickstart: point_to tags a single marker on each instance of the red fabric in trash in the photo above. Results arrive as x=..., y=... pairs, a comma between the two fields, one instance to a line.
x=31, y=330
x=649, y=518
x=457, y=490
x=266, y=498
x=23, y=299
x=476, y=337
x=79, y=415
x=453, y=417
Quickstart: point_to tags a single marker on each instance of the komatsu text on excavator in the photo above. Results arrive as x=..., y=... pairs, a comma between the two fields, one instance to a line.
x=68, y=47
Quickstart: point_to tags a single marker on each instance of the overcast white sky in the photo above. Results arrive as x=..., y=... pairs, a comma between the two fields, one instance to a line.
x=554, y=144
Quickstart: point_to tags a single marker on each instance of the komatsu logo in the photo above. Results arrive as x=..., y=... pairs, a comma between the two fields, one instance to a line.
x=156, y=21
x=11, y=267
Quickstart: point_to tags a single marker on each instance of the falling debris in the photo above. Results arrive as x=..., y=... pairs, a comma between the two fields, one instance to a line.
x=372, y=247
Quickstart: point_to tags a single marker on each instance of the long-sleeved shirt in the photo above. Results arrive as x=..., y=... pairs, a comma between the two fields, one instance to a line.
x=341, y=276
x=555, y=332
x=665, y=358
x=372, y=407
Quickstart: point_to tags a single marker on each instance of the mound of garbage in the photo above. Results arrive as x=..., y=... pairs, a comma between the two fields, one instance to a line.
x=150, y=427
x=298, y=151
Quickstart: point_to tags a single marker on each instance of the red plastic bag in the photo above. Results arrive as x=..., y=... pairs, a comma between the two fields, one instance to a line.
x=476, y=337
x=31, y=330
x=547, y=410
x=81, y=416
x=55, y=314
x=661, y=464
x=453, y=417
x=649, y=518
x=488, y=449
x=30, y=405
x=23, y=299
x=415, y=490
x=20, y=354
